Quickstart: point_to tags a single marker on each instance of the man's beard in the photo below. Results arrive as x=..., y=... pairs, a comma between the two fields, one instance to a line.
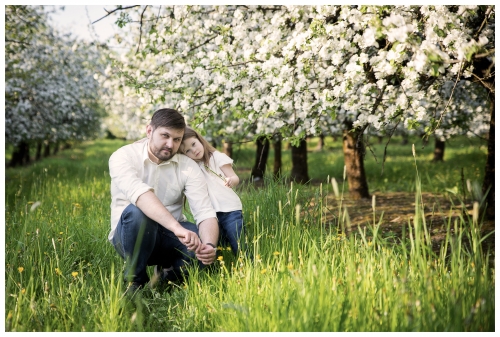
x=159, y=154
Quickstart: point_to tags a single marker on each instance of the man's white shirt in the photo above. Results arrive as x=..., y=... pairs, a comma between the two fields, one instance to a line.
x=133, y=174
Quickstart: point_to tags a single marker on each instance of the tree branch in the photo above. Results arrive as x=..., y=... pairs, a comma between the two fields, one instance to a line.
x=204, y=43
x=486, y=17
x=140, y=30
x=486, y=85
x=114, y=10
x=237, y=64
x=19, y=42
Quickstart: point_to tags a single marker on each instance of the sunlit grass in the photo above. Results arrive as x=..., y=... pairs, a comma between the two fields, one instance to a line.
x=300, y=274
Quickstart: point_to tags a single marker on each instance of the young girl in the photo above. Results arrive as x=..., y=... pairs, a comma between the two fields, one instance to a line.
x=221, y=180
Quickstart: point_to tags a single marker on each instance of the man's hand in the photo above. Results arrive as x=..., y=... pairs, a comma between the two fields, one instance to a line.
x=189, y=238
x=151, y=206
x=206, y=254
x=209, y=233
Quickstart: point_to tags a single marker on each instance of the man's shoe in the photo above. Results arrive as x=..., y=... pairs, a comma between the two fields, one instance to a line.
x=132, y=289
x=160, y=275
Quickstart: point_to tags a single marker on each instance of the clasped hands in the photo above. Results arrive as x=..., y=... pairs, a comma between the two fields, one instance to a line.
x=205, y=253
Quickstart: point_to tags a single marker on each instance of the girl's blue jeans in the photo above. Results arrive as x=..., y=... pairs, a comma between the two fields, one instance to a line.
x=231, y=228
x=143, y=242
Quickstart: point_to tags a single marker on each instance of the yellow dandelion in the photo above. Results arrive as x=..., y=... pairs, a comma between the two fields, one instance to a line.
x=23, y=291
x=75, y=273
x=58, y=271
x=60, y=233
x=20, y=269
x=276, y=253
x=220, y=258
x=220, y=248
x=263, y=271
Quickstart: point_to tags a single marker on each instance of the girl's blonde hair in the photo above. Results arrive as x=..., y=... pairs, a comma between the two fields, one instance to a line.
x=207, y=148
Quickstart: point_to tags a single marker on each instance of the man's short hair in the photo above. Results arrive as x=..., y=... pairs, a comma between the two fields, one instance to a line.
x=168, y=118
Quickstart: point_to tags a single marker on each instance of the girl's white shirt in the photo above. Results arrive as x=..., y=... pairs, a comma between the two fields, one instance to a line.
x=223, y=198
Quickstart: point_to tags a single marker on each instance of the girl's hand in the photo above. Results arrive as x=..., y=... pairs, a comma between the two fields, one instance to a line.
x=232, y=179
x=229, y=182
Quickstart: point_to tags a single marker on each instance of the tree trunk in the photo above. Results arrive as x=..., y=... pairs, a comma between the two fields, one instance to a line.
x=354, y=161
x=56, y=148
x=277, y=157
x=215, y=142
x=299, y=163
x=228, y=149
x=21, y=155
x=405, y=137
x=484, y=69
x=321, y=143
x=438, y=150
x=38, y=155
x=260, y=159
x=46, y=150
x=489, y=173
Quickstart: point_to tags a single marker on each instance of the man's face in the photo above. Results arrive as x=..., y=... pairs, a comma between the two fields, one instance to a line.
x=164, y=142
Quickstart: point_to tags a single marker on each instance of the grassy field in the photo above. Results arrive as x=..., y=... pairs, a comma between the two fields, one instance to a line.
x=61, y=274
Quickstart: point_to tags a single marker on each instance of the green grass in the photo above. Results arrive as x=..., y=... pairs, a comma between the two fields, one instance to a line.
x=61, y=273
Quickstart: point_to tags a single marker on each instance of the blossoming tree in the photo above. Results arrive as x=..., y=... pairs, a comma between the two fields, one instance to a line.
x=51, y=95
x=265, y=70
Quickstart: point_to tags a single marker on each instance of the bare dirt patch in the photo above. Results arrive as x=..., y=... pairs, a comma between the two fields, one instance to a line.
x=394, y=213
x=396, y=210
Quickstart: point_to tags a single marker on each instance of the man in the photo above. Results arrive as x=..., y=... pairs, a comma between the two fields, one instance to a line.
x=148, y=179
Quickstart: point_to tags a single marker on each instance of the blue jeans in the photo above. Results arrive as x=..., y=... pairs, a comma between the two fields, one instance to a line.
x=143, y=242
x=231, y=228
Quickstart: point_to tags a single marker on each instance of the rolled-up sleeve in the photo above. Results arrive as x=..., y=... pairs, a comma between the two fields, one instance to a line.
x=126, y=177
x=196, y=193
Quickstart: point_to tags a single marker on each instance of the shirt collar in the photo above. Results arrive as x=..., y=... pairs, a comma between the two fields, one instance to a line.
x=145, y=155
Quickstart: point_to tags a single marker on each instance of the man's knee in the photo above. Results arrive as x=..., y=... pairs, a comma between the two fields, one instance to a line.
x=190, y=226
x=132, y=214
x=134, y=224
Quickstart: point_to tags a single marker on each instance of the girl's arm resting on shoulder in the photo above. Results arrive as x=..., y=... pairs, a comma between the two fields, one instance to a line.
x=232, y=179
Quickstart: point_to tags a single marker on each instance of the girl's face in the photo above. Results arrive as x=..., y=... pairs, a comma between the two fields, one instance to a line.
x=193, y=148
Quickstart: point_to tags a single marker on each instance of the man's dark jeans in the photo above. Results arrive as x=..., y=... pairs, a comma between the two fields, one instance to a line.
x=143, y=242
